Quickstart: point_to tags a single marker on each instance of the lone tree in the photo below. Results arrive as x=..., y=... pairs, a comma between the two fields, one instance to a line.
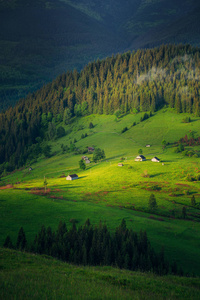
x=152, y=202
x=91, y=125
x=8, y=243
x=164, y=143
x=98, y=154
x=184, y=213
x=82, y=164
x=46, y=150
x=21, y=239
x=193, y=201
x=140, y=151
x=45, y=184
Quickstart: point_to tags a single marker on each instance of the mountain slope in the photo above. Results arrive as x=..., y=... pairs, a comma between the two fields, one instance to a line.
x=40, y=40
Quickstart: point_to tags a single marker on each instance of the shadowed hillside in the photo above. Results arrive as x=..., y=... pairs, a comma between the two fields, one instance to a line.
x=42, y=39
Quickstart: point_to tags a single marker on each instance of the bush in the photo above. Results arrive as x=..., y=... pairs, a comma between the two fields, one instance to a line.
x=60, y=132
x=152, y=202
x=124, y=129
x=91, y=125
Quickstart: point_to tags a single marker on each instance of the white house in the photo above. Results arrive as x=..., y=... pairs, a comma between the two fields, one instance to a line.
x=140, y=158
x=72, y=177
x=155, y=159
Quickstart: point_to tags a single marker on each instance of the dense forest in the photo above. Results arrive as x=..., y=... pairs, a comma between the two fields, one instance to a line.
x=95, y=245
x=129, y=83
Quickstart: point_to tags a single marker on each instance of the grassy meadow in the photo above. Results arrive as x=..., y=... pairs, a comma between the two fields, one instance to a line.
x=24, y=276
x=109, y=193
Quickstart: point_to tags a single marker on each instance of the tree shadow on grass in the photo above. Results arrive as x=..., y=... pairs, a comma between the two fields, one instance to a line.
x=157, y=174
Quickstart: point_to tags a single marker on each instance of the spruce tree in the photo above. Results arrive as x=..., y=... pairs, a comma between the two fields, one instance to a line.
x=193, y=201
x=21, y=239
x=152, y=202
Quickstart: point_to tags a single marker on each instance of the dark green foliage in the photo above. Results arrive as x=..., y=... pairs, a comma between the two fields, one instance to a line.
x=64, y=148
x=140, y=151
x=98, y=154
x=193, y=201
x=180, y=148
x=82, y=164
x=145, y=117
x=67, y=116
x=102, y=87
x=8, y=243
x=46, y=150
x=184, y=212
x=95, y=245
x=21, y=239
x=186, y=120
x=164, y=144
x=124, y=129
x=152, y=202
x=60, y=132
x=91, y=125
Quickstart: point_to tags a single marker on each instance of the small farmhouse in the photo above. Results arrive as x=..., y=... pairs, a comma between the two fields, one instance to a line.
x=140, y=158
x=90, y=149
x=87, y=161
x=155, y=159
x=72, y=177
x=120, y=165
x=84, y=157
x=148, y=145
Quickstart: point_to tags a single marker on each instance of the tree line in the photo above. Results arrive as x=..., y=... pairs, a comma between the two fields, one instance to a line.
x=132, y=82
x=95, y=245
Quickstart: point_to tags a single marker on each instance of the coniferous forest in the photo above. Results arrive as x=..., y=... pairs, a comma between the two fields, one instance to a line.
x=131, y=82
x=96, y=245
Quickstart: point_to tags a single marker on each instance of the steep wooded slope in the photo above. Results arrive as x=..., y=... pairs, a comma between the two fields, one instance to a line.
x=132, y=82
x=40, y=40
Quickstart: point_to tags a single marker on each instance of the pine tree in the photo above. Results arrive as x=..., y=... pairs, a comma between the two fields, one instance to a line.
x=21, y=239
x=82, y=164
x=152, y=202
x=193, y=201
x=8, y=243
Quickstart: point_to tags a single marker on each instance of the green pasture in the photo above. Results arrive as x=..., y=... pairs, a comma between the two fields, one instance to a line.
x=107, y=192
x=26, y=276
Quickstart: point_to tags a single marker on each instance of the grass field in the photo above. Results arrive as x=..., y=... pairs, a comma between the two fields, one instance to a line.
x=26, y=276
x=109, y=193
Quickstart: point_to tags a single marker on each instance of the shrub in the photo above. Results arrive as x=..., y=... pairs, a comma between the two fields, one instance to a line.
x=124, y=129
x=152, y=202
x=91, y=125
x=145, y=174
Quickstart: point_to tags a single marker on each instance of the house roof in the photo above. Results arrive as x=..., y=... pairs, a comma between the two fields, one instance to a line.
x=156, y=158
x=141, y=156
x=73, y=175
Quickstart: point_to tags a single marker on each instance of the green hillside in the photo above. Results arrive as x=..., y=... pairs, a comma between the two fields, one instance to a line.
x=140, y=81
x=37, y=277
x=110, y=193
x=41, y=39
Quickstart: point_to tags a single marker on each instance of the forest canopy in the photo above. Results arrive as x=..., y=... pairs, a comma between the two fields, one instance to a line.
x=131, y=82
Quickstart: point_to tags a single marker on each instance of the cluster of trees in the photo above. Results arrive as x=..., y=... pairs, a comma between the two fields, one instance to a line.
x=95, y=245
x=137, y=81
x=190, y=141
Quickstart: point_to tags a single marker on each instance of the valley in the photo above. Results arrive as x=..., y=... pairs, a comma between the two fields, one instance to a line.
x=107, y=192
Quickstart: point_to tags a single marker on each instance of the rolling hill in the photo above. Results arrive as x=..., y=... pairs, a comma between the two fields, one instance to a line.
x=24, y=276
x=110, y=193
